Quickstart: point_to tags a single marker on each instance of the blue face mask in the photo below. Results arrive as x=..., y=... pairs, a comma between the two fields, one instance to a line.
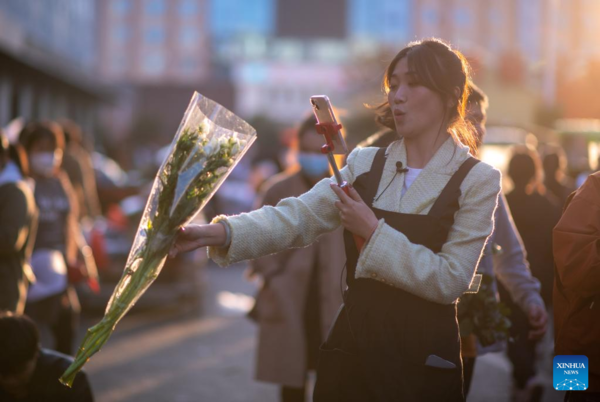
x=314, y=165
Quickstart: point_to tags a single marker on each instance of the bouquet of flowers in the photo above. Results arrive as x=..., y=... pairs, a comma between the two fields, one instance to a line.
x=483, y=315
x=209, y=142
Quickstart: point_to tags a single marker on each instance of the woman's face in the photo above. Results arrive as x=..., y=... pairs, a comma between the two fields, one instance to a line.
x=416, y=109
x=44, y=157
x=311, y=160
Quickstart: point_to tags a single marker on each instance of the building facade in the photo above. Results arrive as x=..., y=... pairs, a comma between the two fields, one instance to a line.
x=153, y=41
x=47, y=57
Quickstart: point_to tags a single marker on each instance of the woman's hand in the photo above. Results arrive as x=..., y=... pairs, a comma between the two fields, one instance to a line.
x=192, y=237
x=538, y=321
x=356, y=216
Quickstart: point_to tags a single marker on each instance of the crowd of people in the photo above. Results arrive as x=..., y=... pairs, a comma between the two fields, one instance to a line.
x=43, y=255
x=451, y=268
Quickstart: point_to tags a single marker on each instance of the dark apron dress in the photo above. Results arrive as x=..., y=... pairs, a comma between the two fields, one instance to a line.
x=378, y=347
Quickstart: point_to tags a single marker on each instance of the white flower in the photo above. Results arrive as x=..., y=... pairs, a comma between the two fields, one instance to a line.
x=235, y=149
x=212, y=147
x=223, y=142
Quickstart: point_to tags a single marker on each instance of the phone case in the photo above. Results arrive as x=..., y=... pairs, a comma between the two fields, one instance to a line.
x=324, y=114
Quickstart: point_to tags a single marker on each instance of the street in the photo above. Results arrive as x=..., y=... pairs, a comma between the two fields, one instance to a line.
x=179, y=355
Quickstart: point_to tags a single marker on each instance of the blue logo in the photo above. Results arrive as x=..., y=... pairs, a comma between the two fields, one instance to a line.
x=571, y=373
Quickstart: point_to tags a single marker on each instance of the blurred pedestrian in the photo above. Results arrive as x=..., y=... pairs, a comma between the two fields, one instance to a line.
x=577, y=284
x=534, y=214
x=77, y=163
x=29, y=373
x=508, y=264
x=18, y=217
x=556, y=180
x=423, y=206
x=300, y=291
x=51, y=302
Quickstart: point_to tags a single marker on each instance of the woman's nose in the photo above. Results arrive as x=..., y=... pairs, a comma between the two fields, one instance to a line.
x=399, y=96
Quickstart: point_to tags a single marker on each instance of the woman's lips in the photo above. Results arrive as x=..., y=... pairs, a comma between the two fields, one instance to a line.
x=398, y=115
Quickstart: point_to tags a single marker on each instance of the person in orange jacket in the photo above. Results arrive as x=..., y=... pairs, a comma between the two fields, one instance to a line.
x=577, y=283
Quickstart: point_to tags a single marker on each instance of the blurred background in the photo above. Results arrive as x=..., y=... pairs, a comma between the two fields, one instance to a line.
x=125, y=70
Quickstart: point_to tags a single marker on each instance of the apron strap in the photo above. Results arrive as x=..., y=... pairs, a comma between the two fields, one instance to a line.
x=375, y=176
x=451, y=192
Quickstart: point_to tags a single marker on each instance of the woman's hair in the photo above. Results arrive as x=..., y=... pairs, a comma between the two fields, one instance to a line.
x=14, y=153
x=554, y=161
x=525, y=169
x=444, y=71
x=19, y=342
x=3, y=146
x=72, y=132
x=476, y=95
x=36, y=131
x=307, y=125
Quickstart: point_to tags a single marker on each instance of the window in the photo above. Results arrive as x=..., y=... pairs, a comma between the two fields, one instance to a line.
x=122, y=7
x=118, y=63
x=188, y=65
x=154, y=35
x=288, y=50
x=462, y=16
x=188, y=36
x=154, y=7
x=121, y=34
x=154, y=63
x=430, y=15
x=188, y=8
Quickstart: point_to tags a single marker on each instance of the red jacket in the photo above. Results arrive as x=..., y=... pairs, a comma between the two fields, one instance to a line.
x=576, y=245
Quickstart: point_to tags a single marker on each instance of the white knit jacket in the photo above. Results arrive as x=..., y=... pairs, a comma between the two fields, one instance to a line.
x=388, y=256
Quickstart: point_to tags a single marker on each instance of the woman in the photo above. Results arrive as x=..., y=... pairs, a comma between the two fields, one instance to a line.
x=51, y=302
x=301, y=287
x=18, y=215
x=424, y=207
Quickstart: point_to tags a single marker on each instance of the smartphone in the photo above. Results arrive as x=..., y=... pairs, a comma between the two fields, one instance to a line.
x=324, y=114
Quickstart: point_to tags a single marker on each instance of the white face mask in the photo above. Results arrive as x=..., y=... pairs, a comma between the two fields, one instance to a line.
x=44, y=163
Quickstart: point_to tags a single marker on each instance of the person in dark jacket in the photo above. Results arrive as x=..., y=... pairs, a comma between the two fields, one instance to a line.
x=555, y=179
x=577, y=283
x=18, y=215
x=29, y=373
x=535, y=214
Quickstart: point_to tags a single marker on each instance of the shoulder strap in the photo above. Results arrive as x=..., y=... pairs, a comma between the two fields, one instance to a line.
x=451, y=192
x=375, y=175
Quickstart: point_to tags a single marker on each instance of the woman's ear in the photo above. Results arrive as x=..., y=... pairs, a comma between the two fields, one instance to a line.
x=453, y=100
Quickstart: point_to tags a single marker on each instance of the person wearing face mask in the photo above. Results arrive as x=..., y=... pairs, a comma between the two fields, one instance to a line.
x=18, y=217
x=51, y=302
x=300, y=291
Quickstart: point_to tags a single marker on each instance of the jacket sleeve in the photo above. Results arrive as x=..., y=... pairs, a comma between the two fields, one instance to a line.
x=510, y=265
x=443, y=277
x=576, y=241
x=13, y=215
x=293, y=222
x=267, y=265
